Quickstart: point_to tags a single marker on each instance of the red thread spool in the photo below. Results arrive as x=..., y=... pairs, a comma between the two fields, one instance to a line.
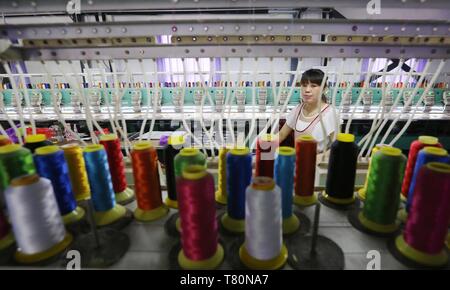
x=196, y=204
x=414, y=149
x=423, y=239
x=115, y=161
x=266, y=147
x=4, y=140
x=305, y=170
x=146, y=180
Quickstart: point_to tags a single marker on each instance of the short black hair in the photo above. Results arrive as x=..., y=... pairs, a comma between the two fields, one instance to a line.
x=314, y=76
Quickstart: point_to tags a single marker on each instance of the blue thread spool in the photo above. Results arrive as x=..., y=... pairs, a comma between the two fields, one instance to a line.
x=51, y=164
x=239, y=175
x=99, y=177
x=284, y=178
x=107, y=211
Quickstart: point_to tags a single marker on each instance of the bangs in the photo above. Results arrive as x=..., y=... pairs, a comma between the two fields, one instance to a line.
x=314, y=76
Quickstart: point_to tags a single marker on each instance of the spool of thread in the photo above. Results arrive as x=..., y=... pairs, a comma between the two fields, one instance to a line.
x=284, y=178
x=146, y=180
x=103, y=197
x=263, y=248
x=173, y=147
x=32, y=142
x=239, y=176
x=4, y=140
x=414, y=149
x=51, y=164
x=341, y=171
x=199, y=236
x=266, y=147
x=382, y=201
x=426, y=155
x=36, y=220
x=362, y=191
x=6, y=236
x=423, y=239
x=305, y=170
x=77, y=171
x=15, y=161
x=221, y=193
x=113, y=150
x=188, y=156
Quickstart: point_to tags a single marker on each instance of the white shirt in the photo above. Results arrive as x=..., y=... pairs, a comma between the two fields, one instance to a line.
x=313, y=125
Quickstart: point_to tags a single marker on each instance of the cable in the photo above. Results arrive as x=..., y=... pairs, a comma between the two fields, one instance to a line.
x=186, y=127
x=107, y=101
x=375, y=120
x=416, y=88
x=19, y=105
x=366, y=81
x=141, y=131
x=27, y=98
x=430, y=84
x=10, y=122
x=252, y=125
x=397, y=99
x=202, y=123
x=58, y=113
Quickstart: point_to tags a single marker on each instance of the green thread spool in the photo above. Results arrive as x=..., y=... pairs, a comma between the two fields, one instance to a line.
x=15, y=161
x=188, y=156
x=384, y=184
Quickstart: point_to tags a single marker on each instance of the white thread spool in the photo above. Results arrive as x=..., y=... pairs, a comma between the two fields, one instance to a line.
x=263, y=247
x=35, y=217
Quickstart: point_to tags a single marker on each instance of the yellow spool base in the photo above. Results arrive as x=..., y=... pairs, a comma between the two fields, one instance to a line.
x=233, y=225
x=7, y=241
x=208, y=264
x=305, y=200
x=74, y=216
x=362, y=194
x=255, y=264
x=379, y=228
x=150, y=215
x=35, y=138
x=83, y=196
x=171, y=203
x=23, y=258
x=103, y=218
x=422, y=258
x=291, y=224
x=125, y=195
x=402, y=215
x=221, y=198
x=340, y=201
x=403, y=198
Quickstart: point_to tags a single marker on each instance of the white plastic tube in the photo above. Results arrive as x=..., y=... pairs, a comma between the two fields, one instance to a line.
x=416, y=88
x=391, y=110
x=58, y=112
x=429, y=86
x=366, y=81
x=19, y=105
x=27, y=98
x=104, y=80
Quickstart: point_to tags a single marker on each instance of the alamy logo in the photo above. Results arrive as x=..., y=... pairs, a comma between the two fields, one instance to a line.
x=73, y=7
x=375, y=260
x=74, y=258
x=374, y=7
